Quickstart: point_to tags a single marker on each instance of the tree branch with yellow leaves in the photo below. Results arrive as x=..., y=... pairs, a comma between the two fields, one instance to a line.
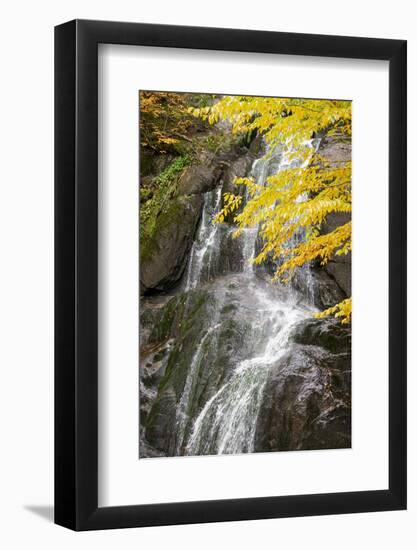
x=276, y=207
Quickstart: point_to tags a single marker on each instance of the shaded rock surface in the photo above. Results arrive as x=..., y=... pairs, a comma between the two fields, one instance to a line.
x=307, y=399
x=337, y=151
x=339, y=268
x=163, y=262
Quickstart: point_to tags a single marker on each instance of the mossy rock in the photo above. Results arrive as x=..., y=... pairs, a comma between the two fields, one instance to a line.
x=166, y=243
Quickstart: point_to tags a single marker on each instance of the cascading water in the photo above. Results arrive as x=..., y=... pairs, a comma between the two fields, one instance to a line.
x=183, y=410
x=226, y=422
x=206, y=244
x=231, y=363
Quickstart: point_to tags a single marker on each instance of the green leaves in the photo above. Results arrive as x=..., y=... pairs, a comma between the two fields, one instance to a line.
x=164, y=187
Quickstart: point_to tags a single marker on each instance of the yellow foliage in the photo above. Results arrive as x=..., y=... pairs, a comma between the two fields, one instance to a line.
x=164, y=117
x=342, y=310
x=296, y=198
x=281, y=119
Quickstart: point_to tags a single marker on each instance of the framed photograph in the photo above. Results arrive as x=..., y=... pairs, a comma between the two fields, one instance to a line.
x=230, y=253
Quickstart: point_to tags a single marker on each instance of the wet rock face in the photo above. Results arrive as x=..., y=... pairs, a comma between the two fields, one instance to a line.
x=316, y=284
x=205, y=331
x=154, y=360
x=307, y=399
x=227, y=258
x=203, y=336
x=163, y=262
x=318, y=287
x=326, y=333
x=229, y=362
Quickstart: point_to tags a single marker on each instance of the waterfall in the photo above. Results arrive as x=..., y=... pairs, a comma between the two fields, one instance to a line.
x=226, y=423
x=223, y=335
x=206, y=244
x=186, y=398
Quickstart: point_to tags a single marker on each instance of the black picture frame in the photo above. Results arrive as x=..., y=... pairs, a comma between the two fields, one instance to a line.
x=76, y=272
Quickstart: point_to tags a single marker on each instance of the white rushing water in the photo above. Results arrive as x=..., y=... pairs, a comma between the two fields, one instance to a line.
x=226, y=423
x=206, y=244
x=185, y=402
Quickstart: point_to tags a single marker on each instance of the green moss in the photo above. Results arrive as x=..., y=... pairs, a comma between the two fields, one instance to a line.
x=169, y=214
x=159, y=210
x=162, y=326
x=158, y=205
x=168, y=176
x=145, y=194
x=182, y=319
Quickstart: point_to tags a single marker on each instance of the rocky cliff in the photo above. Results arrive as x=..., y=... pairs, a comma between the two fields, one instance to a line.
x=337, y=150
x=165, y=254
x=230, y=362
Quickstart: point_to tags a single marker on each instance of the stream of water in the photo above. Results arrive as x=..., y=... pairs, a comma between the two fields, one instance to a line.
x=226, y=423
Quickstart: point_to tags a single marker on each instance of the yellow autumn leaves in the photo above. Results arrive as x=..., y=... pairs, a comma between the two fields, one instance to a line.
x=342, y=310
x=295, y=199
x=280, y=119
x=164, y=117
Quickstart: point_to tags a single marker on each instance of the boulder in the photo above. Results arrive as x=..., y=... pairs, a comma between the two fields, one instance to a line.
x=164, y=255
x=238, y=168
x=337, y=151
x=329, y=334
x=210, y=170
x=198, y=178
x=339, y=268
x=317, y=286
x=307, y=399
